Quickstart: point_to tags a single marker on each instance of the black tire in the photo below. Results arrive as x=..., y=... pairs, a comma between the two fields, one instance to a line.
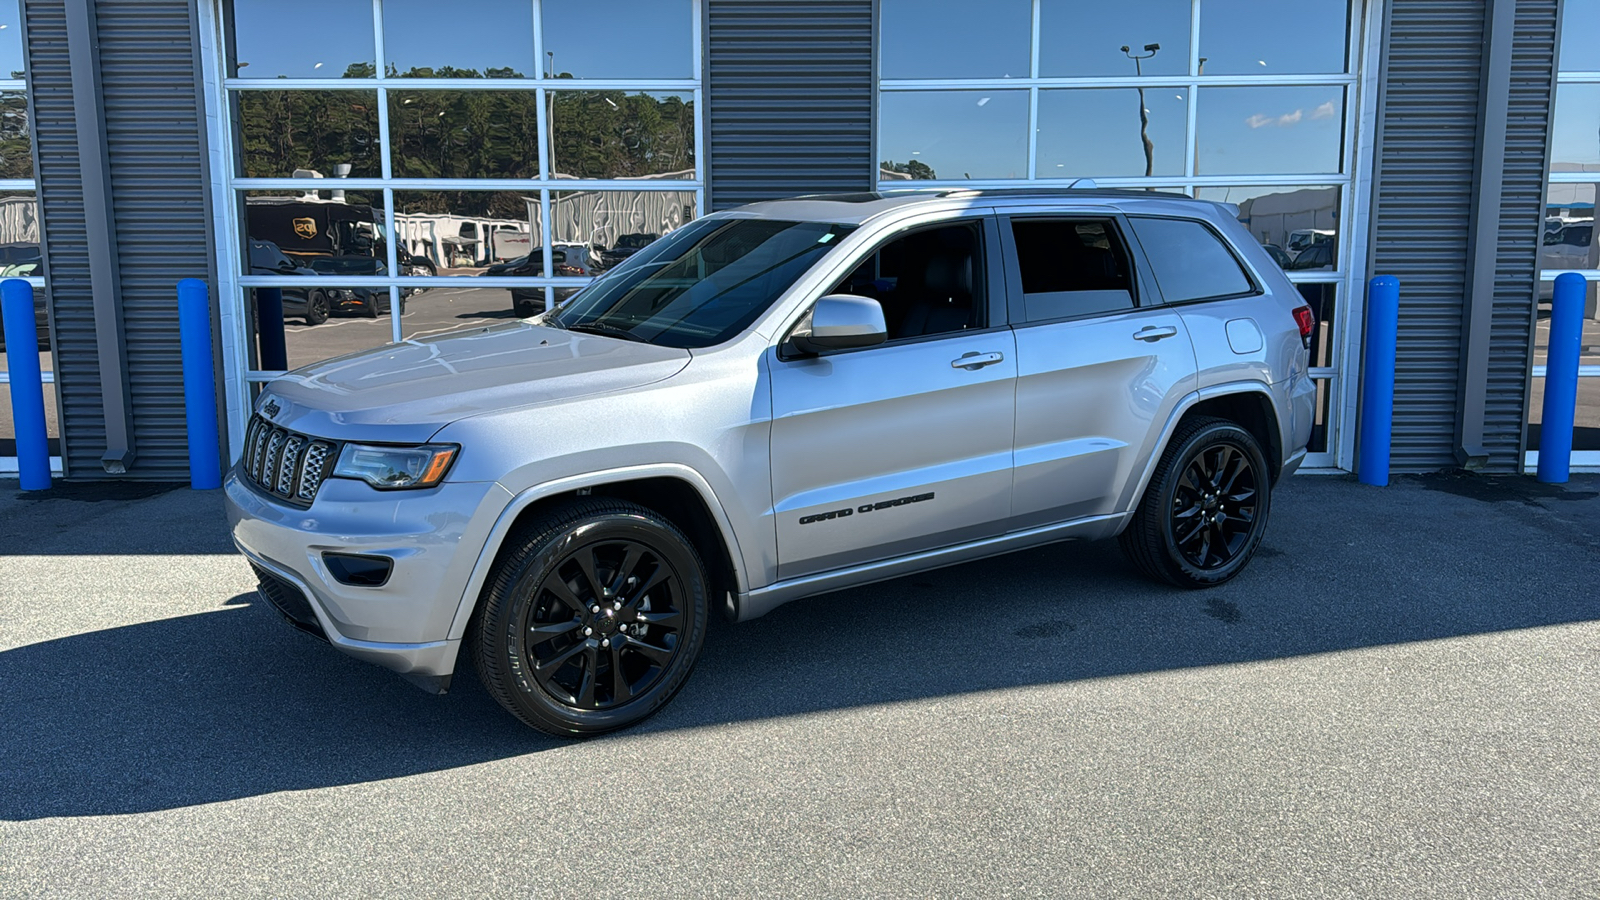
x=524, y=308
x=369, y=307
x=552, y=577
x=316, y=308
x=1203, y=514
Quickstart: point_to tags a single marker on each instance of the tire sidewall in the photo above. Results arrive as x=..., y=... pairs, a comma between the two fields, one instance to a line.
x=1201, y=440
x=523, y=690
x=316, y=308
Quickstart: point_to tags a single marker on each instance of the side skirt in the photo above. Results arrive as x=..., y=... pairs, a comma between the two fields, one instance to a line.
x=756, y=603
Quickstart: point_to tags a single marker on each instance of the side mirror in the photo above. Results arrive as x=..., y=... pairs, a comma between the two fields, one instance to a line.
x=842, y=322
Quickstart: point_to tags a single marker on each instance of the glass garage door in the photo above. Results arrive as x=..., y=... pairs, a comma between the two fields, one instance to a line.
x=1248, y=102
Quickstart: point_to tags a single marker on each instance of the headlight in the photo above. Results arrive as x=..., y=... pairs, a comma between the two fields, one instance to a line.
x=395, y=468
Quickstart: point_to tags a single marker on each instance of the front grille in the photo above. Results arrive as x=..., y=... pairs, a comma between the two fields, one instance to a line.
x=289, y=466
x=288, y=601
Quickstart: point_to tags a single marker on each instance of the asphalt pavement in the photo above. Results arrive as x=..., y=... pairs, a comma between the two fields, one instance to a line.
x=1397, y=699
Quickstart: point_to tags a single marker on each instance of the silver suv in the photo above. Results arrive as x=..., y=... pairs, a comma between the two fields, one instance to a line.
x=773, y=402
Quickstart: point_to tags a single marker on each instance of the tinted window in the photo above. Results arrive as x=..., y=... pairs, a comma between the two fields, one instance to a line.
x=928, y=282
x=1189, y=261
x=1071, y=268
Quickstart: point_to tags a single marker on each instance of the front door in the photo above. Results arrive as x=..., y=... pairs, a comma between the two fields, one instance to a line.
x=906, y=446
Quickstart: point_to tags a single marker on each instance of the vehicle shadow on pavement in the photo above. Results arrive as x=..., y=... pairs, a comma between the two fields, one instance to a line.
x=231, y=703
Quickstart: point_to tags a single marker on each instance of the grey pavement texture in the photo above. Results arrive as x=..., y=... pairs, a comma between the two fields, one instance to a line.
x=1397, y=699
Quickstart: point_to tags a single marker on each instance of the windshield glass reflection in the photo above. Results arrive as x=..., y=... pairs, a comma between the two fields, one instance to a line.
x=702, y=284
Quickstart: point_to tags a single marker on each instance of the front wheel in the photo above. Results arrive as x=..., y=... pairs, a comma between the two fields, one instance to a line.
x=593, y=619
x=316, y=308
x=1203, y=514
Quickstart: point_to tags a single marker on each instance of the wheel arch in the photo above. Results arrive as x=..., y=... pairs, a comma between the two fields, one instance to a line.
x=1249, y=404
x=677, y=492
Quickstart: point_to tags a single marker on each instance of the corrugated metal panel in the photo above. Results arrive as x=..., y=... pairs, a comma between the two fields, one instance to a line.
x=1522, y=224
x=1422, y=202
x=66, y=249
x=789, y=98
x=149, y=86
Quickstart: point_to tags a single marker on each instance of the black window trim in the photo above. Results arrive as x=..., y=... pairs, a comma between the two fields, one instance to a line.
x=1142, y=286
x=1249, y=274
x=993, y=284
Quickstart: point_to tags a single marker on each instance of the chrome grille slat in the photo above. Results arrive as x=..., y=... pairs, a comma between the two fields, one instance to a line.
x=286, y=464
x=291, y=459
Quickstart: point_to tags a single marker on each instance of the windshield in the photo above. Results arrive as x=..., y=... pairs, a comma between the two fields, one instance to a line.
x=701, y=284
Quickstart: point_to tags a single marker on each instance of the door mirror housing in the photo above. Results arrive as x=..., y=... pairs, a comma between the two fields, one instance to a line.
x=842, y=322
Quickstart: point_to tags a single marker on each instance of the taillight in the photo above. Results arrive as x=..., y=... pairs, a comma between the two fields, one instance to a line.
x=1302, y=317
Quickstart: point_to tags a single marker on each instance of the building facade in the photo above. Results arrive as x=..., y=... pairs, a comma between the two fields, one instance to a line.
x=350, y=173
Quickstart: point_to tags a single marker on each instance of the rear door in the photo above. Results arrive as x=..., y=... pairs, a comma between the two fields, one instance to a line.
x=906, y=446
x=1100, y=365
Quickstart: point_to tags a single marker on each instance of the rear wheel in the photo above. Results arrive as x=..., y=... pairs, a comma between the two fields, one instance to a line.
x=316, y=308
x=1203, y=514
x=593, y=620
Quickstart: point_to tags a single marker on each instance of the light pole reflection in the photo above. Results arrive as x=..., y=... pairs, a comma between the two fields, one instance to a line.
x=1144, y=113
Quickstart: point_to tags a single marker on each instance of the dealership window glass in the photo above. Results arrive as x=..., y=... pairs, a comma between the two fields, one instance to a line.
x=302, y=39
x=429, y=312
x=1322, y=421
x=640, y=39
x=12, y=61
x=954, y=135
x=1079, y=39
x=1189, y=260
x=16, y=136
x=598, y=230
x=1580, y=36
x=312, y=234
x=52, y=421
x=616, y=134
x=1586, y=416
x=482, y=39
x=955, y=39
x=1276, y=130
x=1322, y=297
x=464, y=134
x=1071, y=267
x=467, y=232
x=19, y=235
x=281, y=133
x=314, y=322
x=1575, y=137
x=1112, y=115
x=1272, y=37
x=1285, y=220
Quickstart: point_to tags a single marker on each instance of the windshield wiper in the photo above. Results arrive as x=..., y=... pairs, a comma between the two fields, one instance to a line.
x=607, y=331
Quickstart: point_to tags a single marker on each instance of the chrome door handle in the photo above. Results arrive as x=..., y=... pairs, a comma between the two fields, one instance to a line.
x=1152, y=333
x=974, y=361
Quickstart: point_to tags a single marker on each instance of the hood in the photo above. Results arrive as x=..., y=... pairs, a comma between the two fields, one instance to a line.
x=404, y=393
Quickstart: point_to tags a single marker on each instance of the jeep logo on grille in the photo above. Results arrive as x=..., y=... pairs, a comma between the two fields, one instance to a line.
x=271, y=409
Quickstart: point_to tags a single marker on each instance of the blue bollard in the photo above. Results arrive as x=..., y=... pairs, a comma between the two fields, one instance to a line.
x=27, y=383
x=269, y=329
x=1377, y=380
x=1561, y=379
x=199, y=385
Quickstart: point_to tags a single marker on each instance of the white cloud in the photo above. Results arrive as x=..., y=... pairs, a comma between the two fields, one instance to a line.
x=1258, y=120
x=1325, y=111
x=1288, y=119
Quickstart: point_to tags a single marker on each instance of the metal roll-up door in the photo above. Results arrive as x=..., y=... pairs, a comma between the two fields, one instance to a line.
x=60, y=190
x=154, y=140
x=789, y=98
x=1422, y=204
x=1533, y=77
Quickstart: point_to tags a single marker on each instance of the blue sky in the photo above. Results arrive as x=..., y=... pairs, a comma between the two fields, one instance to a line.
x=617, y=39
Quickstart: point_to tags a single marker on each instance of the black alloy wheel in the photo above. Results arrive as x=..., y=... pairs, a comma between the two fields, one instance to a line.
x=316, y=308
x=1214, y=506
x=369, y=307
x=1205, y=510
x=594, y=620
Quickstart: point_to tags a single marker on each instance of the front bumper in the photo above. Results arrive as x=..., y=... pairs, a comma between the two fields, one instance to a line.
x=434, y=537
